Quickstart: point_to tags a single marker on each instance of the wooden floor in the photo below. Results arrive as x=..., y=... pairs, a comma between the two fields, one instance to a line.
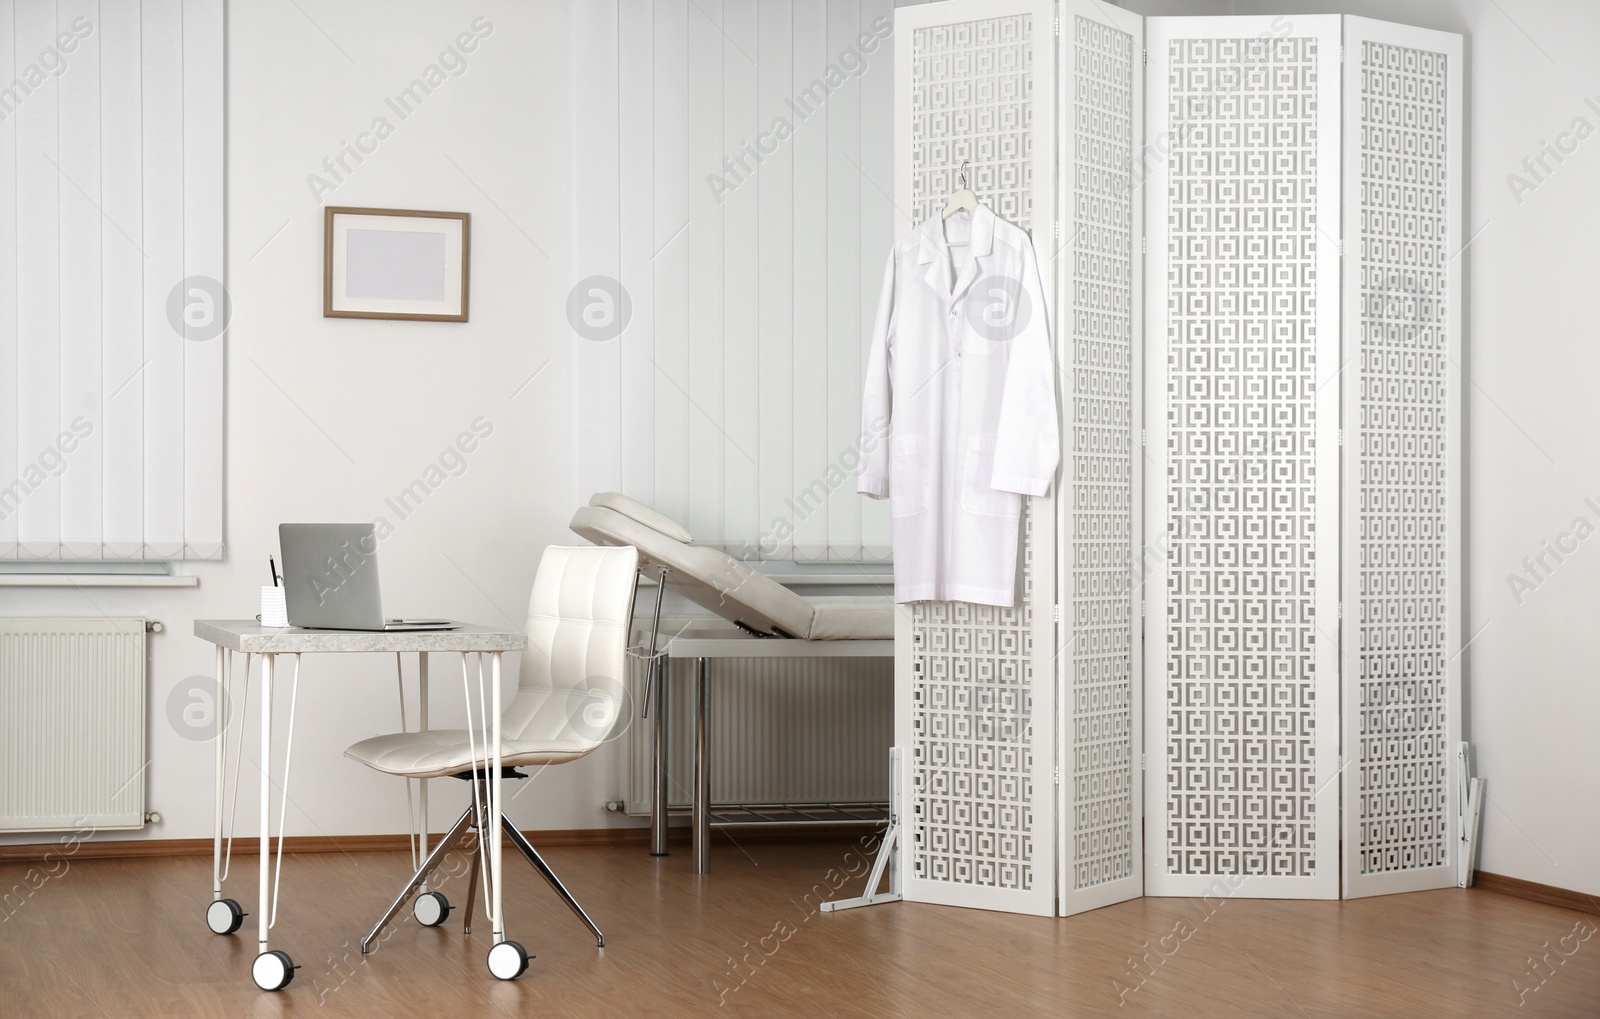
x=127, y=938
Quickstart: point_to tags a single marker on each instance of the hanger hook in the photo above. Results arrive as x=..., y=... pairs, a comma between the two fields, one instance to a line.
x=963, y=174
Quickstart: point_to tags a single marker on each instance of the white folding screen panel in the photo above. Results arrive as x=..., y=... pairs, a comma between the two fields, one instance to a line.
x=1100, y=100
x=111, y=178
x=1402, y=470
x=1242, y=412
x=975, y=684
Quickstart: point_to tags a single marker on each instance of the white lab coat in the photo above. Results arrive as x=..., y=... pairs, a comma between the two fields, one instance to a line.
x=964, y=378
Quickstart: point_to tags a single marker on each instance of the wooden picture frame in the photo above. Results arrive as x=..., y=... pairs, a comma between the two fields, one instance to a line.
x=396, y=264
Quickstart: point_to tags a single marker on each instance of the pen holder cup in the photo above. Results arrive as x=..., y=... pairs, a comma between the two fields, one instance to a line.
x=274, y=612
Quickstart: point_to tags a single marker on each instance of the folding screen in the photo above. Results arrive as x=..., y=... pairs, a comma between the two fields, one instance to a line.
x=1242, y=413
x=1295, y=186
x=1402, y=470
x=975, y=695
x=1098, y=336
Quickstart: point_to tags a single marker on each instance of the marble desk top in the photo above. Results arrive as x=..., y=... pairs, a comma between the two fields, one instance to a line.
x=247, y=635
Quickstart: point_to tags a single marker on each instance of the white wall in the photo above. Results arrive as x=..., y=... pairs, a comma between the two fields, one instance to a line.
x=327, y=417
x=1533, y=353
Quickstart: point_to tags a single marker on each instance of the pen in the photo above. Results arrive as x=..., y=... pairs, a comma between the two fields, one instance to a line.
x=274, y=568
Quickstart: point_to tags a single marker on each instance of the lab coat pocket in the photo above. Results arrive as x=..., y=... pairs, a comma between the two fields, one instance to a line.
x=910, y=479
x=977, y=494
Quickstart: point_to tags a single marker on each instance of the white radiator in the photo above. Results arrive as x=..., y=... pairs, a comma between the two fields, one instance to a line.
x=783, y=730
x=72, y=723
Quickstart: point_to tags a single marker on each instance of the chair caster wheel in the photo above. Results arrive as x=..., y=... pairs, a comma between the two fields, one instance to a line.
x=272, y=971
x=224, y=916
x=431, y=909
x=508, y=960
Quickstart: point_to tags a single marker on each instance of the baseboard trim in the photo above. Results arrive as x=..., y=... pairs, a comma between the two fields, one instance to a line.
x=1533, y=890
x=124, y=849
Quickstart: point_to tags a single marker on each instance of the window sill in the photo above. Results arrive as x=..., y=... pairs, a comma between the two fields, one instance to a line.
x=96, y=580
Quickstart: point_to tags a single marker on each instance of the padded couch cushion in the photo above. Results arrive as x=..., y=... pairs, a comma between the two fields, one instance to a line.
x=852, y=618
x=636, y=510
x=733, y=590
x=708, y=577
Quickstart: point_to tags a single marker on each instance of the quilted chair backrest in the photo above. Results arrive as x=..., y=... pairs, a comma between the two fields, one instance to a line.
x=572, y=684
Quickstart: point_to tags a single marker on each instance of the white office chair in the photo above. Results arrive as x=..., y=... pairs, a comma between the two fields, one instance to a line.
x=567, y=699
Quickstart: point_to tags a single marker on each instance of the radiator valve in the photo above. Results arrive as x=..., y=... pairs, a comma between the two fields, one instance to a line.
x=615, y=806
x=152, y=817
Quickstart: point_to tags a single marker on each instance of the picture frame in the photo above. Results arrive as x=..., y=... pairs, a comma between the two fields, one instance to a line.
x=404, y=264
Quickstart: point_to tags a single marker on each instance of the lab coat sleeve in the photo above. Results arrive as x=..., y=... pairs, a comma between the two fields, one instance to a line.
x=877, y=398
x=1028, y=437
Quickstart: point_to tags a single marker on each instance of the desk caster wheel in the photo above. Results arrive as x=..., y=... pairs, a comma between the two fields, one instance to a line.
x=272, y=971
x=508, y=960
x=224, y=916
x=431, y=909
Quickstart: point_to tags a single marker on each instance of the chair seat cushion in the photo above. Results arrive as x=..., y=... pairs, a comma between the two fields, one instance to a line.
x=852, y=619
x=437, y=752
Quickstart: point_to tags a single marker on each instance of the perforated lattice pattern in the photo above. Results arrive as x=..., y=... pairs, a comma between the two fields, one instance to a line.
x=970, y=802
x=1241, y=378
x=971, y=99
x=1403, y=362
x=1103, y=824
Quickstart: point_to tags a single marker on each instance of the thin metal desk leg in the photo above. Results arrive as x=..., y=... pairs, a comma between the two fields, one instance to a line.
x=222, y=778
x=702, y=766
x=496, y=843
x=422, y=726
x=263, y=901
x=659, y=786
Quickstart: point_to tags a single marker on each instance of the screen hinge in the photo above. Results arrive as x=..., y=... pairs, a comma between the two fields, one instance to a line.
x=1341, y=610
x=1058, y=33
x=1340, y=433
x=1144, y=248
x=1058, y=774
x=1142, y=763
x=1141, y=608
x=1057, y=613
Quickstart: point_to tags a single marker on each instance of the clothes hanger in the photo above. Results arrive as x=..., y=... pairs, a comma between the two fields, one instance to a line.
x=963, y=197
x=962, y=200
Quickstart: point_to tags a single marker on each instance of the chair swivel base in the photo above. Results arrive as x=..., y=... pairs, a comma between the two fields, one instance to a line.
x=437, y=909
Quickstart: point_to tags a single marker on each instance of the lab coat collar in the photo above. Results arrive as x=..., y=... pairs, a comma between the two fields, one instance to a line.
x=934, y=251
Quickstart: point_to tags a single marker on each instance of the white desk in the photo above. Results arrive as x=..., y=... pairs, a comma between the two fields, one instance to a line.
x=250, y=638
x=702, y=646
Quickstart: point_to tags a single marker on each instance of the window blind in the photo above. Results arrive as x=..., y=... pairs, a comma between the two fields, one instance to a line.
x=732, y=215
x=111, y=262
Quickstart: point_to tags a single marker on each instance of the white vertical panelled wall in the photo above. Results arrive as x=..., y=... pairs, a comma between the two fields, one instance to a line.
x=111, y=269
x=732, y=210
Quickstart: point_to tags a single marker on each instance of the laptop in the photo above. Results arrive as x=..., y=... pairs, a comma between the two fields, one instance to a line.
x=330, y=580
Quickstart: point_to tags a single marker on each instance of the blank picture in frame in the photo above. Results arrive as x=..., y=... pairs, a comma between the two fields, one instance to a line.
x=396, y=264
